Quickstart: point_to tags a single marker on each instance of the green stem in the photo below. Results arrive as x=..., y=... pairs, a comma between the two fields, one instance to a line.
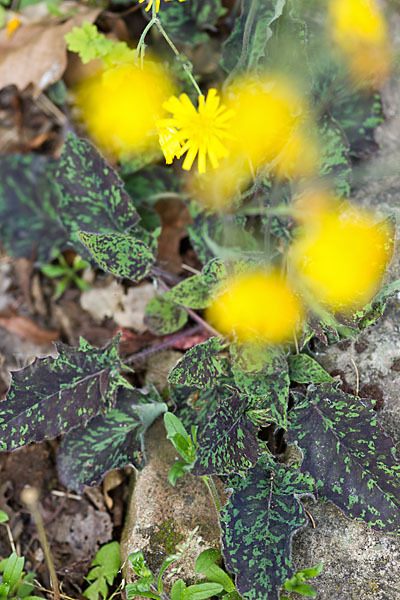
x=186, y=65
x=208, y=480
x=141, y=45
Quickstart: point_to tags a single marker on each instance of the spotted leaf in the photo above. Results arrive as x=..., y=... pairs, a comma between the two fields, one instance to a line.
x=200, y=366
x=258, y=523
x=53, y=395
x=109, y=441
x=351, y=459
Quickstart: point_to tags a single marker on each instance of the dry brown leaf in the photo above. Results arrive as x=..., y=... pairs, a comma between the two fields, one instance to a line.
x=26, y=329
x=112, y=480
x=36, y=54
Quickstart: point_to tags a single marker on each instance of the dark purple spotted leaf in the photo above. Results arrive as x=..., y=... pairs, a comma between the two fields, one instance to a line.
x=200, y=366
x=214, y=274
x=162, y=316
x=262, y=374
x=258, y=523
x=304, y=369
x=92, y=193
x=351, y=459
x=191, y=292
x=334, y=160
x=53, y=395
x=121, y=255
x=29, y=225
x=189, y=21
x=229, y=443
x=374, y=309
x=109, y=441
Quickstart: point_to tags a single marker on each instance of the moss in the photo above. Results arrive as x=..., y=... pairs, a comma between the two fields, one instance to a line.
x=166, y=536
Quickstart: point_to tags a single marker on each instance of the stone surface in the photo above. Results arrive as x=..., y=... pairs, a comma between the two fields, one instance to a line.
x=160, y=516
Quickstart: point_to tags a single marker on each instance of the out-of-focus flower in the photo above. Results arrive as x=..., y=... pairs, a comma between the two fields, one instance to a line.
x=150, y=4
x=258, y=304
x=12, y=26
x=270, y=125
x=200, y=133
x=359, y=30
x=341, y=255
x=119, y=107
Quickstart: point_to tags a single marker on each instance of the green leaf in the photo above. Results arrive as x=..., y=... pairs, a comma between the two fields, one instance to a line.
x=311, y=571
x=26, y=586
x=262, y=14
x=110, y=441
x=96, y=589
x=121, y=255
x=214, y=274
x=263, y=376
x=334, y=163
x=217, y=575
x=374, y=309
x=92, y=194
x=200, y=366
x=201, y=591
x=206, y=559
x=177, y=589
x=29, y=198
x=229, y=443
x=305, y=590
x=163, y=316
x=188, y=21
x=191, y=292
x=174, y=425
x=178, y=470
x=89, y=43
x=3, y=516
x=363, y=478
x=258, y=523
x=53, y=395
x=12, y=570
x=108, y=559
x=304, y=369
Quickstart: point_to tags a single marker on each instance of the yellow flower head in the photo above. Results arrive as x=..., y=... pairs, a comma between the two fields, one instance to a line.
x=198, y=132
x=341, y=256
x=359, y=30
x=119, y=107
x=270, y=123
x=150, y=4
x=258, y=304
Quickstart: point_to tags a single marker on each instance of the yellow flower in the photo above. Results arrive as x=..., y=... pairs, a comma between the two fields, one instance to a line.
x=150, y=4
x=270, y=122
x=359, y=30
x=119, y=106
x=258, y=304
x=198, y=132
x=341, y=255
x=12, y=26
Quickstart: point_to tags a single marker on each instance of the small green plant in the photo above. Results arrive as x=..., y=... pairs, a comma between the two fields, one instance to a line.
x=106, y=565
x=184, y=443
x=68, y=274
x=150, y=586
x=14, y=583
x=297, y=582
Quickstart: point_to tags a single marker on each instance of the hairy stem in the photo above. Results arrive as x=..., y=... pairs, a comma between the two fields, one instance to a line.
x=245, y=44
x=209, y=482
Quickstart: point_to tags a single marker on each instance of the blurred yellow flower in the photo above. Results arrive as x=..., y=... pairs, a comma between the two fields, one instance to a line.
x=359, y=30
x=258, y=304
x=150, y=4
x=12, y=26
x=270, y=124
x=198, y=132
x=341, y=256
x=119, y=107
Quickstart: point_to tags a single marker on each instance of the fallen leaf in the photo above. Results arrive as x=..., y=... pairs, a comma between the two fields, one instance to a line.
x=102, y=302
x=36, y=54
x=26, y=329
x=133, y=307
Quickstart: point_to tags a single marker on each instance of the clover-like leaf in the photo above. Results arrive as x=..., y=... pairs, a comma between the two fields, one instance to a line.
x=304, y=369
x=228, y=444
x=162, y=316
x=92, y=193
x=258, y=523
x=53, y=395
x=30, y=225
x=262, y=374
x=109, y=441
x=351, y=459
x=200, y=366
x=121, y=255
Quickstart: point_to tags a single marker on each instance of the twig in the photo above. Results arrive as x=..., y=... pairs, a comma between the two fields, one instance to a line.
x=144, y=354
x=10, y=537
x=357, y=376
x=309, y=515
